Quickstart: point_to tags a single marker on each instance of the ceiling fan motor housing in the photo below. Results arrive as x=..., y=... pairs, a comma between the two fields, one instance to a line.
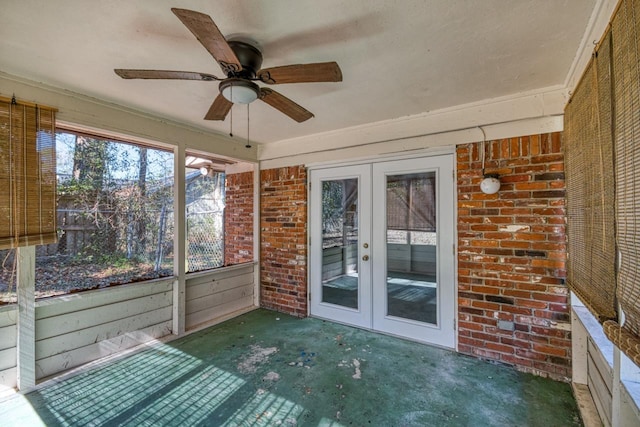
x=250, y=58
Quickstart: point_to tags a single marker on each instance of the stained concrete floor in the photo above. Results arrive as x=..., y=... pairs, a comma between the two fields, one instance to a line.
x=268, y=369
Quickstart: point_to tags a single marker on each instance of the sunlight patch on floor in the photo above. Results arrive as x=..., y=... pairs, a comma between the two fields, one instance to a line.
x=20, y=412
x=266, y=409
x=189, y=403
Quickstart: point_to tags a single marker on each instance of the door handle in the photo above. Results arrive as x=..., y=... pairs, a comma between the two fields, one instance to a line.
x=365, y=258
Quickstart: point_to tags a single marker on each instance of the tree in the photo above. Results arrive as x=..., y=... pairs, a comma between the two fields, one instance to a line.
x=88, y=191
x=142, y=186
x=89, y=162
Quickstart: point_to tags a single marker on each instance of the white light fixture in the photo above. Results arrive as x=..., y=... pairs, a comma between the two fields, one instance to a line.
x=239, y=91
x=204, y=171
x=490, y=184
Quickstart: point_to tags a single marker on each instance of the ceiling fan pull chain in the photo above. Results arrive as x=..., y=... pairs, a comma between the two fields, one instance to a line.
x=248, y=143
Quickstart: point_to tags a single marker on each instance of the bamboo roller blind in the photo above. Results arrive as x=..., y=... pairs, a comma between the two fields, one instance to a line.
x=626, y=77
x=27, y=175
x=602, y=136
x=589, y=182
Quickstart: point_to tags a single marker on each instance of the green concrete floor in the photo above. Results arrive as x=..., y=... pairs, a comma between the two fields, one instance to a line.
x=268, y=369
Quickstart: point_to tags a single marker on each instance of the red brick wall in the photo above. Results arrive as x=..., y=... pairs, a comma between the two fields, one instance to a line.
x=283, y=253
x=238, y=218
x=511, y=259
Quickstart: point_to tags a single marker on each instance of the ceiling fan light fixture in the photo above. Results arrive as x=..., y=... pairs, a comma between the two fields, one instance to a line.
x=239, y=91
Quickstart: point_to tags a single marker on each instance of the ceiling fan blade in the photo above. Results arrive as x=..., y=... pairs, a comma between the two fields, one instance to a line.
x=219, y=109
x=207, y=33
x=285, y=105
x=302, y=73
x=164, y=74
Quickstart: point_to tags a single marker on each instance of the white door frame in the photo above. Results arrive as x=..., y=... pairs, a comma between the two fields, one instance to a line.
x=446, y=201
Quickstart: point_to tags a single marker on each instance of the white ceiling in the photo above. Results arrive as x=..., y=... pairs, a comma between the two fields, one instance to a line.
x=398, y=58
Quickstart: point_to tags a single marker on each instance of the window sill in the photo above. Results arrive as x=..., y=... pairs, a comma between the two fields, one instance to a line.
x=196, y=274
x=630, y=387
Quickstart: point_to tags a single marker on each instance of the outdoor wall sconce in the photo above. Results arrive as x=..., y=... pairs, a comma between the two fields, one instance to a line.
x=490, y=184
x=491, y=181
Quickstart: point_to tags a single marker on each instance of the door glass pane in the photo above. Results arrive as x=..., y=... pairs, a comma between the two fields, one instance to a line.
x=411, y=247
x=340, y=242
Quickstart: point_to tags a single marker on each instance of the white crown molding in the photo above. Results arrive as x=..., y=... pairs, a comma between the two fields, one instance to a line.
x=420, y=145
x=535, y=104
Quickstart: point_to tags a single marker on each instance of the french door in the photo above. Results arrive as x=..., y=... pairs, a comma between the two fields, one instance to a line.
x=382, y=253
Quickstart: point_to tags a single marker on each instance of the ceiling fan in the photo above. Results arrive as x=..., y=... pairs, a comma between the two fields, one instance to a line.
x=241, y=62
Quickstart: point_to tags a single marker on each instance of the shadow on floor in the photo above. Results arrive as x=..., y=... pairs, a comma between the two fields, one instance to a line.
x=268, y=369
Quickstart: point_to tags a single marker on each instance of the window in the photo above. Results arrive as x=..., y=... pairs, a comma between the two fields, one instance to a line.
x=205, y=203
x=7, y=276
x=411, y=215
x=114, y=217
